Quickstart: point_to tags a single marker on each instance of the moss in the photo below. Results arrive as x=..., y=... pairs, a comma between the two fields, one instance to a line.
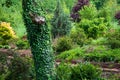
x=39, y=39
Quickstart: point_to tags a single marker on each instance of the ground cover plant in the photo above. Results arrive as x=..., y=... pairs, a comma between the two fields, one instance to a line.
x=82, y=71
x=99, y=56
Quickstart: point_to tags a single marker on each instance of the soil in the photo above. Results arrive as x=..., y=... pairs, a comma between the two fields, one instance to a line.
x=22, y=53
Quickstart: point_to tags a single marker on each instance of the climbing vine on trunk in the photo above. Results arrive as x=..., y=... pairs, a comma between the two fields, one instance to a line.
x=39, y=38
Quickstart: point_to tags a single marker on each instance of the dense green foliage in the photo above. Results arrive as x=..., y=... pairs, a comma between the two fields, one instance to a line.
x=6, y=33
x=99, y=3
x=22, y=44
x=63, y=69
x=63, y=44
x=98, y=55
x=93, y=26
x=82, y=71
x=20, y=69
x=78, y=36
x=61, y=24
x=10, y=11
x=73, y=54
x=16, y=67
x=114, y=39
x=39, y=39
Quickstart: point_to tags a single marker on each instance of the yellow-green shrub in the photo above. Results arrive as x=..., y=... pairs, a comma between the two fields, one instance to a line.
x=6, y=31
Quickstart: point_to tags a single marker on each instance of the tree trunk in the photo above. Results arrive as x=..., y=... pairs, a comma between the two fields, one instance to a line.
x=38, y=34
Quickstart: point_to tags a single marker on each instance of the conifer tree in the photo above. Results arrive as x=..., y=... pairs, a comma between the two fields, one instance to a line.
x=61, y=21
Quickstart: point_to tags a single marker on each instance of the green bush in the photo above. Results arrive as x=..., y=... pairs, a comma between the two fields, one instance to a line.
x=1, y=46
x=3, y=66
x=93, y=28
x=114, y=38
x=108, y=10
x=65, y=69
x=93, y=25
x=78, y=36
x=88, y=12
x=97, y=54
x=98, y=3
x=99, y=41
x=85, y=71
x=6, y=47
x=6, y=33
x=3, y=60
x=82, y=71
x=20, y=69
x=16, y=68
x=63, y=44
x=22, y=44
x=95, y=48
x=100, y=57
x=61, y=23
x=114, y=43
x=105, y=56
x=73, y=54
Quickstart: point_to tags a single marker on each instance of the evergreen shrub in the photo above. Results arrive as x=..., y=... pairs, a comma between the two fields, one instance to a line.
x=63, y=44
x=114, y=38
x=21, y=69
x=22, y=44
x=6, y=32
x=82, y=71
x=78, y=36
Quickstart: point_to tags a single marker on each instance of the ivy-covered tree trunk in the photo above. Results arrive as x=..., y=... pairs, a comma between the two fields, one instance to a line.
x=39, y=37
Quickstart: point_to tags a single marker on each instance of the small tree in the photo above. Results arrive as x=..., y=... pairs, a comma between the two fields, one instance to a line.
x=39, y=39
x=60, y=23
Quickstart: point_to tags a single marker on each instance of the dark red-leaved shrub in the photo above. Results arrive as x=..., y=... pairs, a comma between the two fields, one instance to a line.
x=74, y=14
x=117, y=15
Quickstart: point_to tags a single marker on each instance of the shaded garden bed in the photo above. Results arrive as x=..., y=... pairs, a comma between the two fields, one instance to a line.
x=108, y=68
